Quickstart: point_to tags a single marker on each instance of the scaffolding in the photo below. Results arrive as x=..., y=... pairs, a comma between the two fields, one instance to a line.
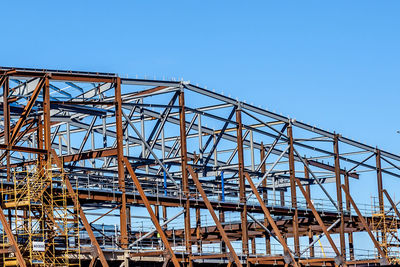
x=44, y=224
x=385, y=226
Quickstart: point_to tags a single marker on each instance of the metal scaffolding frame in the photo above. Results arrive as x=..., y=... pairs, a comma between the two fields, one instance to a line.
x=127, y=143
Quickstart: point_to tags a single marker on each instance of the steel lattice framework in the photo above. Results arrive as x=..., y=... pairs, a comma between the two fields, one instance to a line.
x=171, y=145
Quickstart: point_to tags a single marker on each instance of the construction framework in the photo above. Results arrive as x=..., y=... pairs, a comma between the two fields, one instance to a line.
x=212, y=180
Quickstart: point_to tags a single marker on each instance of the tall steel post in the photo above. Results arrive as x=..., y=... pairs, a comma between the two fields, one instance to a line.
x=296, y=238
x=242, y=184
x=185, y=178
x=6, y=116
x=379, y=181
x=310, y=231
x=121, y=169
x=339, y=195
x=348, y=208
x=46, y=117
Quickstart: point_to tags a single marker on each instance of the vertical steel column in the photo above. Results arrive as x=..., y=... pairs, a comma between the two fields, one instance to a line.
x=310, y=232
x=379, y=180
x=40, y=140
x=265, y=199
x=185, y=180
x=242, y=184
x=296, y=238
x=348, y=208
x=222, y=220
x=253, y=246
x=164, y=213
x=380, y=195
x=198, y=229
x=282, y=198
x=129, y=219
x=339, y=195
x=120, y=158
x=46, y=116
x=6, y=116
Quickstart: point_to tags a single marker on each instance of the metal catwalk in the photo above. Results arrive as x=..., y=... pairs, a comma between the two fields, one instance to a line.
x=158, y=172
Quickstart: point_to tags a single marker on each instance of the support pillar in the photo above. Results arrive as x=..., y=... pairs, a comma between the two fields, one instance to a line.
x=198, y=229
x=310, y=232
x=242, y=185
x=348, y=208
x=339, y=195
x=222, y=220
x=296, y=238
x=6, y=116
x=379, y=181
x=185, y=180
x=121, y=170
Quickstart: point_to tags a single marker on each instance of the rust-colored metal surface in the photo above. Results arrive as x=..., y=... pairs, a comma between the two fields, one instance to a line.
x=169, y=173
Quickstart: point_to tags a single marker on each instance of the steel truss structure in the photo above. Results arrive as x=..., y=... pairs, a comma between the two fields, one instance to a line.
x=185, y=153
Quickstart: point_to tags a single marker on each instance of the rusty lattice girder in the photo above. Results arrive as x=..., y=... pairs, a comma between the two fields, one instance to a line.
x=82, y=118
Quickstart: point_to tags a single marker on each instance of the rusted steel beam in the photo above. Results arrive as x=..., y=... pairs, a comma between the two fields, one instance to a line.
x=310, y=232
x=46, y=116
x=27, y=109
x=394, y=207
x=198, y=230
x=366, y=226
x=120, y=156
x=331, y=168
x=339, y=194
x=11, y=239
x=93, y=261
x=147, y=253
x=212, y=256
x=379, y=181
x=149, y=91
x=81, y=78
x=6, y=117
x=86, y=102
x=214, y=216
x=293, y=192
x=222, y=220
x=320, y=221
x=271, y=220
x=348, y=208
x=23, y=149
x=101, y=153
x=63, y=75
x=82, y=215
x=150, y=211
x=242, y=184
x=185, y=179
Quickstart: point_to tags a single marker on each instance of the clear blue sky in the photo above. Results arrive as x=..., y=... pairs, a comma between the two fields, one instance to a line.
x=333, y=64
